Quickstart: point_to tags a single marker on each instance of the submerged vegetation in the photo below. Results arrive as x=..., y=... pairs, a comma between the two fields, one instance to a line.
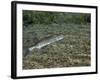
x=72, y=51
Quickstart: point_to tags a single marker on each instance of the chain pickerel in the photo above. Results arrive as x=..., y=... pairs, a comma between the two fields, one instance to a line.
x=46, y=42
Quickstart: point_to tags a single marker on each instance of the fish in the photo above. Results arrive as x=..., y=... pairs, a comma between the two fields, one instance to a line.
x=46, y=42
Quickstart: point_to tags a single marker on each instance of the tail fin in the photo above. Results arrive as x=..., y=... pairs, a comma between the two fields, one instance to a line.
x=31, y=48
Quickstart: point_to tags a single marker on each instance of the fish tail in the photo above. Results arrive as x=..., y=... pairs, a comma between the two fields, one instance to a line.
x=31, y=48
